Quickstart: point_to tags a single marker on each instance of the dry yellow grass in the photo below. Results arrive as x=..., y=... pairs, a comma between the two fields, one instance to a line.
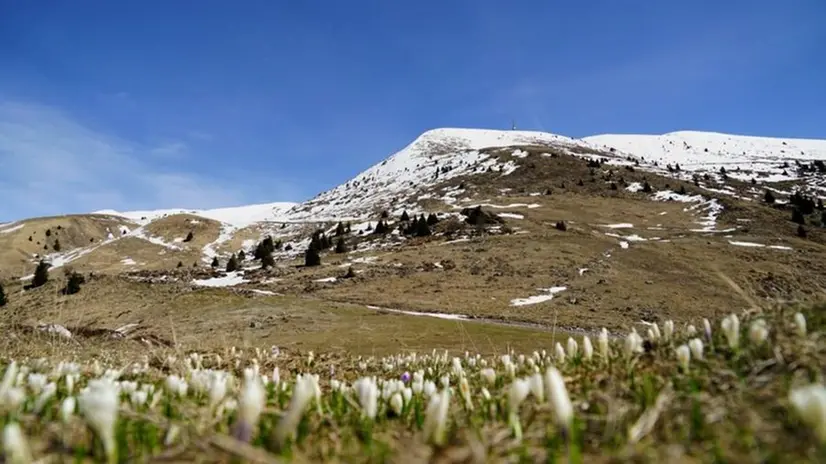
x=73, y=231
x=209, y=318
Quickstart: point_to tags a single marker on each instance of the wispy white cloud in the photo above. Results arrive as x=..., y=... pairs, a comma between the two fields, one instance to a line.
x=51, y=164
x=168, y=150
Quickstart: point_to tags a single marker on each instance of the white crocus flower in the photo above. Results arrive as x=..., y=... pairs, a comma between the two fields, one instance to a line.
x=758, y=332
x=731, y=330
x=587, y=348
x=519, y=390
x=98, y=403
x=707, y=330
x=800, y=325
x=67, y=409
x=573, y=348
x=489, y=375
x=558, y=396
x=602, y=342
x=303, y=393
x=537, y=387
x=368, y=395
x=668, y=330
x=396, y=403
x=696, y=346
x=810, y=404
x=690, y=330
x=436, y=414
x=559, y=352
x=15, y=445
x=683, y=356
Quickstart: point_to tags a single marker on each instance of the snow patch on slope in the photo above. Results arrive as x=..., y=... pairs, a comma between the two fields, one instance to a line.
x=229, y=280
x=434, y=157
x=709, y=151
x=239, y=216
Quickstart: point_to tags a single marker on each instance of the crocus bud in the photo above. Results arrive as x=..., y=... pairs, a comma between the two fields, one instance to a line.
x=758, y=332
x=489, y=375
x=668, y=330
x=587, y=348
x=810, y=404
x=558, y=396
x=396, y=403
x=15, y=445
x=683, y=356
x=731, y=330
x=696, y=346
x=602, y=341
x=800, y=324
x=560, y=353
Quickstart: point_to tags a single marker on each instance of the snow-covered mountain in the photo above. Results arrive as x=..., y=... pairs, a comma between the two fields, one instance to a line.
x=442, y=154
x=239, y=216
x=435, y=156
x=419, y=172
x=709, y=151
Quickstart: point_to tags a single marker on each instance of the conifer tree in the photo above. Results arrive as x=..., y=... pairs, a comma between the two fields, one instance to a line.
x=797, y=217
x=189, y=237
x=381, y=228
x=340, y=230
x=73, y=284
x=432, y=219
x=215, y=262
x=181, y=264
x=769, y=197
x=404, y=217
x=242, y=256
x=341, y=247
x=3, y=299
x=267, y=261
x=413, y=226
x=41, y=274
x=232, y=264
x=311, y=257
x=268, y=244
x=801, y=231
x=646, y=187
x=56, y=245
x=422, y=229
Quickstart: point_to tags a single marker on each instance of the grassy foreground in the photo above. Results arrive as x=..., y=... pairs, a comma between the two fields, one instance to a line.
x=737, y=390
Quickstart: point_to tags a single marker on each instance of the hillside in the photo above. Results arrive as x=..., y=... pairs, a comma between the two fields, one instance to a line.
x=577, y=233
x=459, y=263
x=768, y=159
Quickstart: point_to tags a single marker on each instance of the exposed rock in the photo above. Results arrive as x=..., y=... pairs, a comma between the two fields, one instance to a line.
x=479, y=217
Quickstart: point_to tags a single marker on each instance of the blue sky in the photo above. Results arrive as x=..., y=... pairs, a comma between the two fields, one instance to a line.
x=150, y=104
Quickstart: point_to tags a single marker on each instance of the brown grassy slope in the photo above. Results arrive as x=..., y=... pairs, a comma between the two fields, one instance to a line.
x=112, y=257
x=72, y=231
x=209, y=319
x=684, y=278
x=174, y=228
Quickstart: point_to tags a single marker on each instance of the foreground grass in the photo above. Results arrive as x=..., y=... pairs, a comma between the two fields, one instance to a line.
x=687, y=395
